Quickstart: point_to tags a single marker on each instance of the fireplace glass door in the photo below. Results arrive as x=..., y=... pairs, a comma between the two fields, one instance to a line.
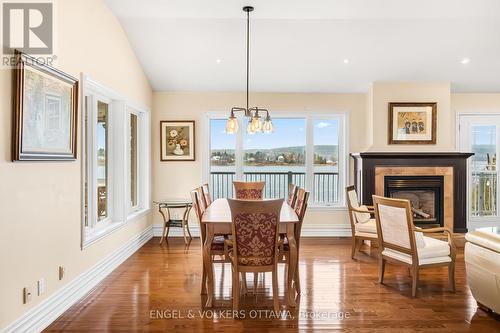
x=480, y=135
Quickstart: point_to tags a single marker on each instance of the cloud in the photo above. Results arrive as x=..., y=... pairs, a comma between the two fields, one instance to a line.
x=322, y=124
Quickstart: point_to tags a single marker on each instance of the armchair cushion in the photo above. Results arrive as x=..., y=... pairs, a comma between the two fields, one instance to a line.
x=434, y=251
x=363, y=217
x=369, y=226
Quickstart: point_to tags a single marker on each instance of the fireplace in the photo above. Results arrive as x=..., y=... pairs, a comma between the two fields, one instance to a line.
x=425, y=193
x=371, y=169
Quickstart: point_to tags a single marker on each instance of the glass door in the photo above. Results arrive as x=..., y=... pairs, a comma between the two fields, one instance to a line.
x=480, y=134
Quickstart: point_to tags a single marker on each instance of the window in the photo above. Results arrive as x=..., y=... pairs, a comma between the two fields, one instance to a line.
x=305, y=150
x=115, y=159
x=222, y=159
x=133, y=160
x=102, y=160
x=277, y=158
x=326, y=160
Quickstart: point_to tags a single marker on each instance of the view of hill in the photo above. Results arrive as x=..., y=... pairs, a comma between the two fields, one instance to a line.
x=326, y=151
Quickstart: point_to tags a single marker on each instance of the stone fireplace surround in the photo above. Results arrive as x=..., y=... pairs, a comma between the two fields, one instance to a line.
x=370, y=168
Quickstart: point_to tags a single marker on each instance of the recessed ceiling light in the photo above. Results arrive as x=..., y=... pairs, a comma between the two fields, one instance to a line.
x=465, y=61
x=346, y=61
x=218, y=61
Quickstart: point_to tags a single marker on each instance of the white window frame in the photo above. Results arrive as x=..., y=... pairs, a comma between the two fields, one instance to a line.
x=343, y=168
x=120, y=211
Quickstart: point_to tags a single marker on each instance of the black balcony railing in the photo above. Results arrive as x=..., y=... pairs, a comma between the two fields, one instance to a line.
x=326, y=184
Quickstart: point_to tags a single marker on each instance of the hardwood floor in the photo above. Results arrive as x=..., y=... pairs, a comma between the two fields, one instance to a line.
x=165, y=281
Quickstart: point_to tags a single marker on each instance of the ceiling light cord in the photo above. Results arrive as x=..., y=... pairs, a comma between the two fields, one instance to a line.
x=248, y=52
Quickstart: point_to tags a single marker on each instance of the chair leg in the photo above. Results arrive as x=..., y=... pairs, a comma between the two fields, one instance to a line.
x=275, y=290
x=354, y=245
x=451, y=276
x=297, y=280
x=414, y=284
x=381, y=270
x=255, y=281
x=203, y=281
x=236, y=291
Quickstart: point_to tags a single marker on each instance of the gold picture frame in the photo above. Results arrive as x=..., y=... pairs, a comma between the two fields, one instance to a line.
x=45, y=112
x=412, y=123
x=177, y=140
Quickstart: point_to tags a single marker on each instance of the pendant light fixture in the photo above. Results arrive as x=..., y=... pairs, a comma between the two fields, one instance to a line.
x=255, y=124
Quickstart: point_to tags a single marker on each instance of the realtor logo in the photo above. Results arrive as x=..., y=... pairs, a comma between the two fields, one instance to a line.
x=27, y=27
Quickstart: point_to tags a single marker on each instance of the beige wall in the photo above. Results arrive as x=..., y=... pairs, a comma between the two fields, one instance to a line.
x=385, y=92
x=476, y=103
x=176, y=179
x=40, y=202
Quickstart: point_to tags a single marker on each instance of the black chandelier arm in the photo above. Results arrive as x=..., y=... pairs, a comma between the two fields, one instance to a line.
x=256, y=109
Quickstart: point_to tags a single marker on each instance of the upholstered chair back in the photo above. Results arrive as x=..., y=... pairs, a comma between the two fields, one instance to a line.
x=301, y=202
x=394, y=224
x=300, y=210
x=352, y=197
x=353, y=202
x=206, y=195
x=249, y=190
x=292, y=194
x=255, y=231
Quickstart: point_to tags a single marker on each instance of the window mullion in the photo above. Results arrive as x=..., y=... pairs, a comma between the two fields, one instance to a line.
x=238, y=154
x=309, y=154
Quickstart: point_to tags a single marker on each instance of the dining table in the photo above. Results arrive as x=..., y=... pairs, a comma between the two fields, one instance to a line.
x=217, y=220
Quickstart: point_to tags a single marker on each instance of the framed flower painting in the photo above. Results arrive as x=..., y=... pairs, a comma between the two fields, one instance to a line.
x=177, y=140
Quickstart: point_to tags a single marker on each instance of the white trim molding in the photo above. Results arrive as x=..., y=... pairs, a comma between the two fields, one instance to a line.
x=50, y=309
x=336, y=230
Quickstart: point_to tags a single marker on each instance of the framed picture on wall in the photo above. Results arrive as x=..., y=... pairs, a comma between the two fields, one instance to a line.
x=177, y=140
x=412, y=123
x=45, y=112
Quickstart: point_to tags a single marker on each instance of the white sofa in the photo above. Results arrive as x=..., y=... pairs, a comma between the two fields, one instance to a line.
x=482, y=263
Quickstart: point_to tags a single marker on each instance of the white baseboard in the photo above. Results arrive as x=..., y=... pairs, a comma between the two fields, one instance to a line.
x=50, y=309
x=336, y=230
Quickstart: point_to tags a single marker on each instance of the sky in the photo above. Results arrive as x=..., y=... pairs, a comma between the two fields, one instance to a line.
x=288, y=132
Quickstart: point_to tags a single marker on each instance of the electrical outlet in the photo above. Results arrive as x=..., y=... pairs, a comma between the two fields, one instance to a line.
x=40, y=286
x=62, y=271
x=26, y=295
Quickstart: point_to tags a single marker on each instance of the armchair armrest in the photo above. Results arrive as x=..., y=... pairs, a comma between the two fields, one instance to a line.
x=357, y=210
x=447, y=231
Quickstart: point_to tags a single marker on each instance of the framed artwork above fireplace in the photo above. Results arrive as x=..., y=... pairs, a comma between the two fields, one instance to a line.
x=412, y=123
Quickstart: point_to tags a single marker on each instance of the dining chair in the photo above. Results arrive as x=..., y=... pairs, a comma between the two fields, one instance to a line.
x=300, y=210
x=363, y=225
x=254, y=246
x=201, y=199
x=292, y=194
x=206, y=194
x=217, y=247
x=249, y=190
x=402, y=243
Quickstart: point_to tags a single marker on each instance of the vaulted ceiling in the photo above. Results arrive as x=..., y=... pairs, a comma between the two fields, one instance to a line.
x=314, y=45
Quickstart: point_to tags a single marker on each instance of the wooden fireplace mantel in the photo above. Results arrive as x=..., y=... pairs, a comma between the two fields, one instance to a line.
x=366, y=163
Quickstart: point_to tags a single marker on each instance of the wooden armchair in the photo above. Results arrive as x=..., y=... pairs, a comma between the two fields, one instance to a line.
x=254, y=247
x=217, y=247
x=206, y=195
x=402, y=243
x=300, y=210
x=363, y=225
x=249, y=190
x=292, y=194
